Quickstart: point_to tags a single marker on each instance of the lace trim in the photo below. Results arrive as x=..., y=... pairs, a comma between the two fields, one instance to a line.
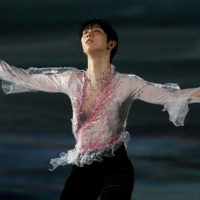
x=80, y=158
x=177, y=110
x=178, y=106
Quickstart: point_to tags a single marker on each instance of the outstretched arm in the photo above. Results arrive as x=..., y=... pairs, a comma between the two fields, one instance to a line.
x=46, y=79
x=174, y=100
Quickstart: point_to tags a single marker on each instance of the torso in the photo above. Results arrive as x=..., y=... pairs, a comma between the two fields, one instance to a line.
x=92, y=91
x=89, y=102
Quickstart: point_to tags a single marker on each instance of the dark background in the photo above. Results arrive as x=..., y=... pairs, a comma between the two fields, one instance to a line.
x=158, y=41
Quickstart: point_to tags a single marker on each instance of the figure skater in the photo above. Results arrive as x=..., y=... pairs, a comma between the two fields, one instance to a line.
x=101, y=98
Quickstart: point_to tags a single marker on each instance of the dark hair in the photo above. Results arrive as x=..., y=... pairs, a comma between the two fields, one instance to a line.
x=107, y=28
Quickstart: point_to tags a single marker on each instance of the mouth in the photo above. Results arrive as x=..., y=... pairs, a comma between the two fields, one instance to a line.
x=88, y=41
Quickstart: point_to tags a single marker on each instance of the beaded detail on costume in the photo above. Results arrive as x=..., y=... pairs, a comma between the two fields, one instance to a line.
x=94, y=142
x=101, y=108
x=100, y=105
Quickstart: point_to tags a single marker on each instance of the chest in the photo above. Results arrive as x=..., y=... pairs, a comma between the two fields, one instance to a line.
x=94, y=103
x=89, y=101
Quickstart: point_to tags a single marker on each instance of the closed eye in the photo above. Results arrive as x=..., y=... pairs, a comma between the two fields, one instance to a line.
x=96, y=30
x=85, y=32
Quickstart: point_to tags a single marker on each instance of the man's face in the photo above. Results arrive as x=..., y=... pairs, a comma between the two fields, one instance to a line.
x=93, y=39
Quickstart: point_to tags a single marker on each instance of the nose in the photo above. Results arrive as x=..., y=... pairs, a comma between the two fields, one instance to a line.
x=90, y=33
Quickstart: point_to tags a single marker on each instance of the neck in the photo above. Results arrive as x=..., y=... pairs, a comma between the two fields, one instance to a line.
x=97, y=66
x=98, y=72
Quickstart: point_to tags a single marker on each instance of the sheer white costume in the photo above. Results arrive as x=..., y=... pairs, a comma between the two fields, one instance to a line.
x=99, y=116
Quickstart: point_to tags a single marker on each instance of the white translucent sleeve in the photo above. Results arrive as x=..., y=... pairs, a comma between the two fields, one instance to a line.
x=174, y=100
x=15, y=80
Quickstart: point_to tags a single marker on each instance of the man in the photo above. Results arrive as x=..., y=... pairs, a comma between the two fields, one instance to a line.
x=101, y=99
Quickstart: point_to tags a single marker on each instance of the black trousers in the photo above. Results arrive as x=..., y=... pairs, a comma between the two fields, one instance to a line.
x=113, y=178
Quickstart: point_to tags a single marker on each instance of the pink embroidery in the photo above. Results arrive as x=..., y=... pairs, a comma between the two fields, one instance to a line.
x=85, y=138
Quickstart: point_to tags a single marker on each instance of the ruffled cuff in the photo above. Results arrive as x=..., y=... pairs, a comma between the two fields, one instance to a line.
x=11, y=88
x=11, y=84
x=178, y=107
x=177, y=111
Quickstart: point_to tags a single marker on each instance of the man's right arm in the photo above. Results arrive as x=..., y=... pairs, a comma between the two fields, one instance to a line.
x=34, y=79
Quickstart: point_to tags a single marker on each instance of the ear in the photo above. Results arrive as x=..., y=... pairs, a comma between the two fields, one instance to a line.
x=111, y=44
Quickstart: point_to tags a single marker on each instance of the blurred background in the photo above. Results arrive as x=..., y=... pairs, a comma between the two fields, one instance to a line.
x=158, y=41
